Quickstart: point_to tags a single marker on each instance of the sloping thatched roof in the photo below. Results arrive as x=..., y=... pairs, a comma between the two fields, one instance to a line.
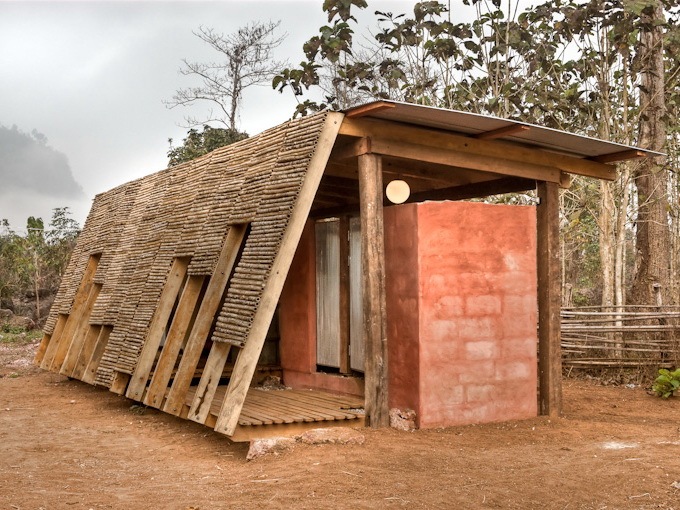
x=186, y=211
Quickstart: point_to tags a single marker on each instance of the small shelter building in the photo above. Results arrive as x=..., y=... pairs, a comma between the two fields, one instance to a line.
x=281, y=255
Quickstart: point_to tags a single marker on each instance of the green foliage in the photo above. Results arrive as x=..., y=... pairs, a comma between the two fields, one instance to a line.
x=17, y=335
x=667, y=383
x=33, y=264
x=199, y=143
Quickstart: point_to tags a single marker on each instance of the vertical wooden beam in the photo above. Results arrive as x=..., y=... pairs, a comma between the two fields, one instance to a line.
x=246, y=362
x=159, y=323
x=206, y=314
x=179, y=330
x=549, y=300
x=374, y=302
x=344, y=295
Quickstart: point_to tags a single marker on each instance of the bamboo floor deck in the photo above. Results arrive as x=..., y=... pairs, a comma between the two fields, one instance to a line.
x=274, y=412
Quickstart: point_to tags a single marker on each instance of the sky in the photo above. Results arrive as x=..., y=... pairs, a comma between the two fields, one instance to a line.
x=82, y=85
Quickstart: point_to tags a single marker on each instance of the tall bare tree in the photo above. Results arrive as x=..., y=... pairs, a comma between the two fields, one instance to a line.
x=246, y=59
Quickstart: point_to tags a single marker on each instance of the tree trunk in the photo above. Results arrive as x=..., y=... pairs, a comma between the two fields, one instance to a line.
x=653, y=232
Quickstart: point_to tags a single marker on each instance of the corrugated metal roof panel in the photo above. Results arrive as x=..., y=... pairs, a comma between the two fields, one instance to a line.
x=474, y=124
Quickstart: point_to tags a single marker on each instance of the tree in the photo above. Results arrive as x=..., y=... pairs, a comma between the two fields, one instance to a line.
x=651, y=176
x=32, y=265
x=247, y=60
x=199, y=143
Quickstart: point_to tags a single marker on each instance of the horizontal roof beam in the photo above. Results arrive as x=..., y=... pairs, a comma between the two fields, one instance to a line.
x=399, y=134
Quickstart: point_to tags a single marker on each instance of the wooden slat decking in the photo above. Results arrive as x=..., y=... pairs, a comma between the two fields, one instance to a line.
x=268, y=413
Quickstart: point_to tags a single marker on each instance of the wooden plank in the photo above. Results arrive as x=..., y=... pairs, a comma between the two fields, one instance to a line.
x=501, y=132
x=212, y=372
x=247, y=360
x=285, y=400
x=80, y=334
x=397, y=132
x=247, y=433
x=298, y=412
x=58, y=347
x=620, y=156
x=157, y=329
x=56, y=333
x=344, y=295
x=464, y=159
x=549, y=300
x=86, y=352
x=199, y=333
x=312, y=405
x=475, y=190
x=329, y=399
x=119, y=383
x=374, y=300
x=100, y=347
x=179, y=329
x=78, y=309
x=352, y=149
x=369, y=108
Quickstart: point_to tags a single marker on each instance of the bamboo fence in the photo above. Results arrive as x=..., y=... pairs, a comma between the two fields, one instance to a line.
x=621, y=337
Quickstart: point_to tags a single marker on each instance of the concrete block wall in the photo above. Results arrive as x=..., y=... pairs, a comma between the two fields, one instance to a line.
x=476, y=320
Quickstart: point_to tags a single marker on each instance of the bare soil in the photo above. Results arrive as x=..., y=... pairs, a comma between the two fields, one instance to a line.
x=67, y=445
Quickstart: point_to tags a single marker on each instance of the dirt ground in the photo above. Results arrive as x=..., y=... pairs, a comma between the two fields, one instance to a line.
x=67, y=445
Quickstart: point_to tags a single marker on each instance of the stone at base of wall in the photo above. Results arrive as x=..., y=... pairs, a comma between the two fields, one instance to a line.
x=276, y=445
x=403, y=419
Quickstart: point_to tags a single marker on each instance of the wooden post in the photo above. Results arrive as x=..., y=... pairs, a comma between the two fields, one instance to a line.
x=374, y=303
x=344, y=295
x=549, y=299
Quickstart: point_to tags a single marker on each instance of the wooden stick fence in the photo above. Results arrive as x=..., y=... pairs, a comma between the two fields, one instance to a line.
x=636, y=336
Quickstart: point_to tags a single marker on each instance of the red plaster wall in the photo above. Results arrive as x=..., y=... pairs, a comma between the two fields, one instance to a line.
x=401, y=289
x=477, y=313
x=461, y=313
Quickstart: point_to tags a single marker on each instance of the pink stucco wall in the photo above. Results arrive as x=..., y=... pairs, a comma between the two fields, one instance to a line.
x=477, y=313
x=461, y=313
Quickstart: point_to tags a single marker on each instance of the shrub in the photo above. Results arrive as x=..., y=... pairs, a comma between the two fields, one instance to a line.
x=667, y=383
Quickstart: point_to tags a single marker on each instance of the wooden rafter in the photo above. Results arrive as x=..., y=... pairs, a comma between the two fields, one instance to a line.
x=397, y=133
x=367, y=109
x=620, y=156
x=247, y=359
x=502, y=132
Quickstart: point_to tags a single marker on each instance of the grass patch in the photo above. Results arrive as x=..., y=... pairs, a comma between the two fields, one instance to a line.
x=18, y=336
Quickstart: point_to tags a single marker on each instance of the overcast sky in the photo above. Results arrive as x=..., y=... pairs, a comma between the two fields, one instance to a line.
x=90, y=77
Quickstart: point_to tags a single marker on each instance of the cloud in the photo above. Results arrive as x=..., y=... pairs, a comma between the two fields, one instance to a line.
x=27, y=163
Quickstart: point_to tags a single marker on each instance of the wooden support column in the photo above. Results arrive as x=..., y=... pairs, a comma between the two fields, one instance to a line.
x=549, y=300
x=373, y=282
x=344, y=295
